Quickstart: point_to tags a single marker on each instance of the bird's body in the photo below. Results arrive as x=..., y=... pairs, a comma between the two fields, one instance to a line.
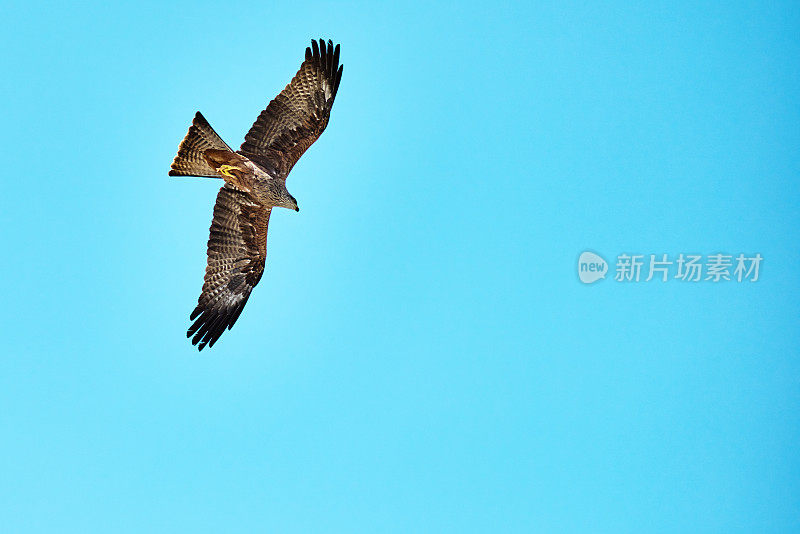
x=244, y=175
x=255, y=182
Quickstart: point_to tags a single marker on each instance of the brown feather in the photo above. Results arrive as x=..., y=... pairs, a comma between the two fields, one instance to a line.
x=200, y=138
x=298, y=115
x=237, y=251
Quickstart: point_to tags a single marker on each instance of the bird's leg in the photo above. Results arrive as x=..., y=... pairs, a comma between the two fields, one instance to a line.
x=225, y=170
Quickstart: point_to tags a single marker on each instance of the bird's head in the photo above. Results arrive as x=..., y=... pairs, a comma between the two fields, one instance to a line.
x=285, y=199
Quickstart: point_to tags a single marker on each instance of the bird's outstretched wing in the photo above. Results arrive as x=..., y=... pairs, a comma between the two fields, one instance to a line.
x=298, y=115
x=237, y=250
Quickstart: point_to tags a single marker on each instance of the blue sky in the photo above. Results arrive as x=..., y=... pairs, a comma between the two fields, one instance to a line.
x=420, y=355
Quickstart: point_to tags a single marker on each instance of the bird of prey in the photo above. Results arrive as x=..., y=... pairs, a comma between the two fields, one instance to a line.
x=255, y=182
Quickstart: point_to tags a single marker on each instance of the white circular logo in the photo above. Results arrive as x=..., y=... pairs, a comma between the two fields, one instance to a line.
x=591, y=267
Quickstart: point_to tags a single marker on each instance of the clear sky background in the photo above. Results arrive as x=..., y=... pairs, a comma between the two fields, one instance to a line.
x=420, y=355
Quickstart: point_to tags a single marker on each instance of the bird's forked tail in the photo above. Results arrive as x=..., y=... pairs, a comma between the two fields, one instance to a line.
x=190, y=160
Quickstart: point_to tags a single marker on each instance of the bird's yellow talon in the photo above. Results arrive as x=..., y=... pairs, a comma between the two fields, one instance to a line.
x=225, y=170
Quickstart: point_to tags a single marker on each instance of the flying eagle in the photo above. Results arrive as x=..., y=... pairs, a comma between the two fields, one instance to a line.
x=255, y=182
